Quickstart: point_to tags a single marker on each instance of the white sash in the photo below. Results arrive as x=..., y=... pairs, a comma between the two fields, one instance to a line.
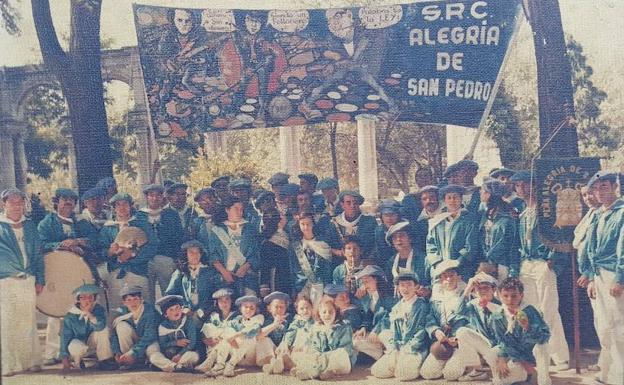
x=234, y=255
x=163, y=331
x=304, y=263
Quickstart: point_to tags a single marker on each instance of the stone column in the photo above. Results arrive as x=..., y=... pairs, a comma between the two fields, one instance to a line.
x=137, y=122
x=7, y=160
x=215, y=143
x=367, y=160
x=290, y=153
x=21, y=164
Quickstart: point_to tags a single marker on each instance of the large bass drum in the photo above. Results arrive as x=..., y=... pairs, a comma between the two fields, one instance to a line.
x=64, y=272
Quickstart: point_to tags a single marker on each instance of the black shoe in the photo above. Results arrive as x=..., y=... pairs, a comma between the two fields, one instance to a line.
x=109, y=364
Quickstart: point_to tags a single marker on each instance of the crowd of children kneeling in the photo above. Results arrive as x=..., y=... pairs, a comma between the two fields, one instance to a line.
x=463, y=331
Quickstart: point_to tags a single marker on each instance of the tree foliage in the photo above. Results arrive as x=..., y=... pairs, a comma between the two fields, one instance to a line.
x=9, y=17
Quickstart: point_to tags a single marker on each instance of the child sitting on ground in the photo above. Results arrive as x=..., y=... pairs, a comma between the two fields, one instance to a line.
x=294, y=343
x=239, y=338
x=520, y=332
x=331, y=346
x=275, y=326
x=410, y=343
x=177, y=337
x=213, y=328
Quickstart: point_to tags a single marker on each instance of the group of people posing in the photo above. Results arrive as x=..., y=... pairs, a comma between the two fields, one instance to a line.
x=452, y=282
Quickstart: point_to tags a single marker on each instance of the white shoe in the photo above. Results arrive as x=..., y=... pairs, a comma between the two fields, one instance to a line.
x=229, y=370
x=278, y=365
x=474, y=375
x=593, y=368
x=561, y=366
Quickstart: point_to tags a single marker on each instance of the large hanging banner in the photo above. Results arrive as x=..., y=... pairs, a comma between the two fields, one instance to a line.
x=219, y=69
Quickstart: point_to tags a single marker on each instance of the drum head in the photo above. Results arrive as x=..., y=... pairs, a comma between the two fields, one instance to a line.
x=64, y=272
x=131, y=237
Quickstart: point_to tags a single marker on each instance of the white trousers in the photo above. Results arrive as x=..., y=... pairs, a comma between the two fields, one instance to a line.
x=403, y=365
x=373, y=349
x=609, y=321
x=98, y=343
x=128, y=337
x=187, y=360
x=471, y=346
x=517, y=373
x=53, y=338
x=19, y=339
x=540, y=290
x=314, y=365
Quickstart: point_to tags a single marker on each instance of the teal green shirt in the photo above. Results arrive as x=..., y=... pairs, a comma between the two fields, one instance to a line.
x=604, y=247
x=78, y=328
x=11, y=258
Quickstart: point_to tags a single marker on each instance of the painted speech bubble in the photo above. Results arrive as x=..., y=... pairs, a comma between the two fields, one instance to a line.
x=218, y=20
x=380, y=17
x=289, y=20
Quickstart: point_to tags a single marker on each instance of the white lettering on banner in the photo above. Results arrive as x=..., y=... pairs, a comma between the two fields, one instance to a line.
x=468, y=89
x=472, y=35
x=289, y=20
x=452, y=11
x=423, y=87
x=445, y=60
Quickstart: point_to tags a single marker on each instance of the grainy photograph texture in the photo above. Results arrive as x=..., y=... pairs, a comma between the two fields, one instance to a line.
x=346, y=191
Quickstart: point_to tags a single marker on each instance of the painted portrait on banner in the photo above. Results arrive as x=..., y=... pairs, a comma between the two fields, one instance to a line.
x=221, y=69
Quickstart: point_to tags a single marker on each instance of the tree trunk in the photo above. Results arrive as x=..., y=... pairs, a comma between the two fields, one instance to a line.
x=79, y=72
x=554, y=81
x=333, y=130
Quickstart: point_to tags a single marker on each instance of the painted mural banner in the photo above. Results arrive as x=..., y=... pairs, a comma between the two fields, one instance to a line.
x=559, y=200
x=220, y=69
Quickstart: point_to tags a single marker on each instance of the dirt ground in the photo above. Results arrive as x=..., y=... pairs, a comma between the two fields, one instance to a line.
x=360, y=375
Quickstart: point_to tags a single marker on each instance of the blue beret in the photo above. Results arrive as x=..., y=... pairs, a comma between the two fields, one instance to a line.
x=96, y=192
x=276, y=295
x=87, y=288
x=521, y=176
x=405, y=276
x=240, y=183
x=495, y=187
x=247, y=299
x=610, y=176
x=451, y=188
x=395, y=228
x=205, y=190
x=389, y=206
x=192, y=243
x=327, y=183
x=169, y=300
x=263, y=197
x=121, y=197
x=153, y=187
x=106, y=183
x=11, y=192
x=333, y=289
x=223, y=292
x=502, y=172
x=167, y=183
x=353, y=193
x=289, y=189
x=65, y=193
x=370, y=270
x=222, y=178
x=450, y=170
x=279, y=178
x=467, y=164
x=130, y=289
x=175, y=186
x=313, y=179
